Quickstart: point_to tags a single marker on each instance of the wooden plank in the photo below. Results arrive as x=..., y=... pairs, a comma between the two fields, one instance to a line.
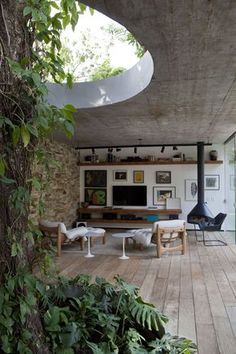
x=171, y=305
x=225, y=337
x=186, y=304
x=231, y=311
x=149, y=280
x=160, y=286
x=207, y=343
x=161, y=162
x=141, y=272
x=206, y=336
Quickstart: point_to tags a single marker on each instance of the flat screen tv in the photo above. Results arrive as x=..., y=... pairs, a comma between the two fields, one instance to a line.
x=129, y=195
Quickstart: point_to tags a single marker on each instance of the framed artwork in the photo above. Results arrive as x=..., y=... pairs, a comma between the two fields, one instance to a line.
x=232, y=182
x=160, y=194
x=163, y=177
x=211, y=182
x=173, y=203
x=191, y=189
x=138, y=177
x=120, y=175
x=95, y=196
x=95, y=178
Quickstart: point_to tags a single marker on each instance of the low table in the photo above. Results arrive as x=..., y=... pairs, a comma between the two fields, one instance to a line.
x=123, y=235
x=93, y=232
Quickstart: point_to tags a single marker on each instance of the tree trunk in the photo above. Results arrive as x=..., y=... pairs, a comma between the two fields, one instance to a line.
x=15, y=43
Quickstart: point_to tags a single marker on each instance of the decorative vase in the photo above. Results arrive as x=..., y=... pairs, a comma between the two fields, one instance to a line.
x=213, y=155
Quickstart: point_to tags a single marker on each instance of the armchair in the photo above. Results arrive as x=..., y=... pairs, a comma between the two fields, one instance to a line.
x=57, y=231
x=167, y=232
x=162, y=234
x=212, y=225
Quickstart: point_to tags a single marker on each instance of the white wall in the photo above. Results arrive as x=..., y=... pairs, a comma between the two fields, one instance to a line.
x=179, y=173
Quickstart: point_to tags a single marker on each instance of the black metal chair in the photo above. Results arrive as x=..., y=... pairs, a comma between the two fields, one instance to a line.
x=212, y=225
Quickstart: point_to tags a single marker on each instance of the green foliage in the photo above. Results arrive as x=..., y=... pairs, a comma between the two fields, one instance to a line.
x=19, y=199
x=105, y=70
x=124, y=36
x=80, y=316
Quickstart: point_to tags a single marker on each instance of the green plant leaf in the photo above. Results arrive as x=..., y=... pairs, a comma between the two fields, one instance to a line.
x=2, y=166
x=15, y=135
x=6, y=345
x=70, y=108
x=7, y=180
x=69, y=129
x=27, y=10
x=33, y=130
x=25, y=135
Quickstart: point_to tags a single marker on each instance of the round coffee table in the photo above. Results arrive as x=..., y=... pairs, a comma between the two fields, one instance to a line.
x=92, y=231
x=123, y=235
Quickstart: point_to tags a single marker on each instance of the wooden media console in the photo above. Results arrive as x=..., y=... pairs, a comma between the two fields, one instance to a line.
x=124, y=218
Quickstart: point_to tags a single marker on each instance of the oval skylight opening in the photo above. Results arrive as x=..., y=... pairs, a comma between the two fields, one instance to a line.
x=98, y=48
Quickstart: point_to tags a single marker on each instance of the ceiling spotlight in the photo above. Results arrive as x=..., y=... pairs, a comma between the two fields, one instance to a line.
x=135, y=150
x=175, y=148
x=163, y=149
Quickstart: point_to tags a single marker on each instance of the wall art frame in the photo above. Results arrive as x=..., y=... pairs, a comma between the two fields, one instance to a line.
x=212, y=182
x=138, y=176
x=160, y=194
x=120, y=175
x=191, y=189
x=163, y=177
x=95, y=196
x=95, y=178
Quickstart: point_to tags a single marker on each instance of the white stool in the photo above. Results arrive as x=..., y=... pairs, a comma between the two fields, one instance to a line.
x=91, y=232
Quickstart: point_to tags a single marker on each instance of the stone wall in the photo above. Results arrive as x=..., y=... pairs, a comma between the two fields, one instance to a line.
x=61, y=192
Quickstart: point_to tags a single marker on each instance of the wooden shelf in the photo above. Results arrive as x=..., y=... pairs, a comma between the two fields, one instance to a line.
x=100, y=220
x=119, y=221
x=132, y=163
x=130, y=211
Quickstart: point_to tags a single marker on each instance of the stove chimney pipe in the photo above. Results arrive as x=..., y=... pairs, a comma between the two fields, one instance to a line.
x=200, y=171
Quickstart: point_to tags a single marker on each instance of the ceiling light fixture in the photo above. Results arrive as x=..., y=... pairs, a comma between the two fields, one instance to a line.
x=162, y=149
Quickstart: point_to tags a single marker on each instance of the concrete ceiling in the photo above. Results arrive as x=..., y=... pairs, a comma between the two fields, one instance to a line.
x=192, y=94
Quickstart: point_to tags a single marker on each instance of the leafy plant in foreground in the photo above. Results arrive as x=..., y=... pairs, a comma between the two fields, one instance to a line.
x=102, y=318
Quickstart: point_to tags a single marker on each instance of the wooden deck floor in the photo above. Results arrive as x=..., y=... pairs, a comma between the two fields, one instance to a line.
x=197, y=291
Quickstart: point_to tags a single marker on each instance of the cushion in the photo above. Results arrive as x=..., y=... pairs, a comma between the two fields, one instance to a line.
x=92, y=231
x=48, y=223
x=142, y=236
x=76, y=232
x=169, y=223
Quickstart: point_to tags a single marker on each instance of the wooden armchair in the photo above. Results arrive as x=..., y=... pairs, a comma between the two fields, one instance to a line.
x=57, y=231
x=165, y=233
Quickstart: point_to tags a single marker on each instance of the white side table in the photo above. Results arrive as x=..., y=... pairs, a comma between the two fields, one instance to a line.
x=90, y=233
x=123, y=235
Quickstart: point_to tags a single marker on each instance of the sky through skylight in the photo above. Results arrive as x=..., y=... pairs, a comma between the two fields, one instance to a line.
x=89, y=34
